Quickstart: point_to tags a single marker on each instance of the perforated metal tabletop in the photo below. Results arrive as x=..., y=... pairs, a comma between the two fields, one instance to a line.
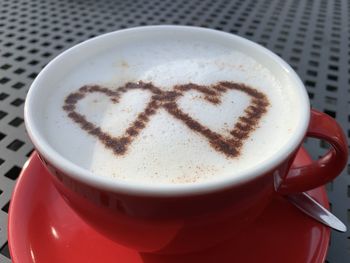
x=313, y=36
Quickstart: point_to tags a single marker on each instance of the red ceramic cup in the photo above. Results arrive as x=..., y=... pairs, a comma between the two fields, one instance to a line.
x=183, y=218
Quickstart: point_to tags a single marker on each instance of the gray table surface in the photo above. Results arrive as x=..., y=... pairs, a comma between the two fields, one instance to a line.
x=313, y=36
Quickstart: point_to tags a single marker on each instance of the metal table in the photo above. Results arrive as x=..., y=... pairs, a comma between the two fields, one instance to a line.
x=313, y=36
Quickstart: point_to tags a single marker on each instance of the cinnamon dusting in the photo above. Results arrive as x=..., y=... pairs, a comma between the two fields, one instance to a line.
x=229, y=146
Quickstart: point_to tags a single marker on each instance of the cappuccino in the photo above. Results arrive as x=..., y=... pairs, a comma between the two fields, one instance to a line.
x=171, y=110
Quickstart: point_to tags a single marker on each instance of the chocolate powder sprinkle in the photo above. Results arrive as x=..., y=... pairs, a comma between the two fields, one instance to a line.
x=212, y=99
x=240, y=135
x=230, y=146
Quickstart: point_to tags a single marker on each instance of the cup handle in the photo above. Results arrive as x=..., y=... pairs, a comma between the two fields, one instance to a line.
x=325, y=169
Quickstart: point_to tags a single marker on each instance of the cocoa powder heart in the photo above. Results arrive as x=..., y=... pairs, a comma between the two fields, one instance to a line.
x=117, y=144
x=230, y=146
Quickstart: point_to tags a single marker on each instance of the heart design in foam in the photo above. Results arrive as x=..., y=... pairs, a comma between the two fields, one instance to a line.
x=230, y=144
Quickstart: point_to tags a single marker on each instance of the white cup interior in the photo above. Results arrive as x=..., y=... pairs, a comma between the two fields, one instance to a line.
x=58, y=68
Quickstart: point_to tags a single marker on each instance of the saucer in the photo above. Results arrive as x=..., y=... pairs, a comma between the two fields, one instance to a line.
x=43, y=228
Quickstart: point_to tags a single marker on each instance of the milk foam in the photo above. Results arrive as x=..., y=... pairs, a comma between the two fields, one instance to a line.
x=166, y=151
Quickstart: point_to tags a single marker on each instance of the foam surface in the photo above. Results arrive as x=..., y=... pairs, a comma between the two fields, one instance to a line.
x=166, y=151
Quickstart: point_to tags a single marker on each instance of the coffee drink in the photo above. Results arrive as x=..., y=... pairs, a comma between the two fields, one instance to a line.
x=170, y=111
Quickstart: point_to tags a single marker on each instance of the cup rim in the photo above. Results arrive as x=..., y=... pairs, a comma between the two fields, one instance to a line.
x=83, y=175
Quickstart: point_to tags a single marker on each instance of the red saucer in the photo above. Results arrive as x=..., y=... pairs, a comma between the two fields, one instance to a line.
x=43, y=228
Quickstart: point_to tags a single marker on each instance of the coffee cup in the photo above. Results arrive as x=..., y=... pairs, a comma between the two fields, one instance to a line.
x=171, y=139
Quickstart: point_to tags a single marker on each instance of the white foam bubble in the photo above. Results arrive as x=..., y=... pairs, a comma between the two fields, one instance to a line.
x=167, y=151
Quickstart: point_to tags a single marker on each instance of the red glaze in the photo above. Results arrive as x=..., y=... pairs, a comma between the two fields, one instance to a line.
x=43, y=228
x=182, y=224
x=325, y=169
x=167, y=224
